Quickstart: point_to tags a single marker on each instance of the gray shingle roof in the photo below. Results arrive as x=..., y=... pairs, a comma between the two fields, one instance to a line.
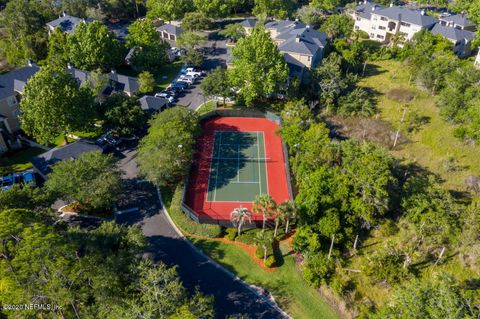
x=248, y=23
x=299, y=45
x=81, y=76
x=123, y=83
x=278, y=24
x=365, y=9
x=453, y=34
x=16, y=80
x=152, y=103
x=457, y=19
x=307, y=33
x=44, y=161
x=67, y=23
x=407, y=15
x=170, y=28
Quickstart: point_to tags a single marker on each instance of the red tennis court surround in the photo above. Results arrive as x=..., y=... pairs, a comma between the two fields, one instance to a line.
x=197, y=189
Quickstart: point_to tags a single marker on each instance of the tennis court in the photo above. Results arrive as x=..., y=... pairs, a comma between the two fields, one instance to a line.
x=238, y=171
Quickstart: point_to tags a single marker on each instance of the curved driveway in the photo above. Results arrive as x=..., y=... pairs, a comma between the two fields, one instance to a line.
x=232, y=296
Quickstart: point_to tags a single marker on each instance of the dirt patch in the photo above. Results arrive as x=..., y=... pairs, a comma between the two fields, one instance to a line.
x=401, y=95
x=364, y=129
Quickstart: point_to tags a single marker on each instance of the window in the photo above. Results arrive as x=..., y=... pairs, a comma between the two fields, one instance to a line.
x=309, y=58
x=383, y=19
x=357, y=27
x=379, y=36
x=405, y=24
x=382, y=27
x=358, y=19
x=372, y=35
x=374, y=27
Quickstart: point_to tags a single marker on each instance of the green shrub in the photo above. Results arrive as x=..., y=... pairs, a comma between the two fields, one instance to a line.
x=248, y=236
x=389, y=228
x=386, y=264
x=270, y=262
x=230, y=233
x=318, y=269
x=259, y=251
x=185, y=223
x=340, y=284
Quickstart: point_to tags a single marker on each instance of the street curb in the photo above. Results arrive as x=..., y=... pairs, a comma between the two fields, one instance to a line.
x=213, y=262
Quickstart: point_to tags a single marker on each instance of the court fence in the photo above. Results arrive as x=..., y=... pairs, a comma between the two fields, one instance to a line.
x=241, y=113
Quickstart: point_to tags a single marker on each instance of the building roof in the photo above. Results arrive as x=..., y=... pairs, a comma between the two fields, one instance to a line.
x=278, y=24
x=81, y=76
x=306, y=33
x=457, y=19
x=365, y=9
x=248, y=23
x=123, y=83
x=16, y=80
x=152, y=103
x=407, y=15
x=44, y=161
x=67, y=23
x=452, y=33
x=299, y=45
x=170, y=28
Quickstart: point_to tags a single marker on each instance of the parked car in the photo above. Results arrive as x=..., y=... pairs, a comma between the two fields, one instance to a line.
x=194, y=72
x=175, y=88
x=167, y=96
x=28, y=177
x=7, y=182
x=189, y=79
x=107, y=141
x=180, y=84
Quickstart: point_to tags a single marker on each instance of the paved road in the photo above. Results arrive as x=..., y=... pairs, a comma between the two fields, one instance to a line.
x=232, y=297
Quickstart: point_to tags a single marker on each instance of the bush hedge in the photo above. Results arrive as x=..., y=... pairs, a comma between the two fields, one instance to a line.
x=230, y=233
x=270, y=262
x=184, y=222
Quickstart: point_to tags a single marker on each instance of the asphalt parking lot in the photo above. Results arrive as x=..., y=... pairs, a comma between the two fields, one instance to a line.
x=214, y=58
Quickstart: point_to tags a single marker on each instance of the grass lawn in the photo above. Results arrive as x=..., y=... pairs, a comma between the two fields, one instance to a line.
x=167, y=73
x=19, y=161
x=434, y=143
x=286, y=284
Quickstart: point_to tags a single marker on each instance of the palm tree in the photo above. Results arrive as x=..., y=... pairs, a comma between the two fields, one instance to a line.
x=289, y=210
x=239, y=216
x=264, y=239
x=265, y=205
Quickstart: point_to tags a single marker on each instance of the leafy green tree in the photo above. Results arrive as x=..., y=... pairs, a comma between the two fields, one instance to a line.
x=123, y=114
x=165, y=154
x=213, y=8
x=160, y=294
x=318, y=269
x=273, y=8
x=330, y=80
x=265, y=205
x=193, y=58
x=26, y=197
x=306, y=240
x=216, y=84
x=53, y=104
x=239, y=216
x=258, y=68
x=357, y=103
x=264, y=239
x=142, y=33
x=92, y=46
x=326, y=5
x=57, y=49
x=92, y=180
x=190, y=40
x=146, y=82
x=338, y=25
x=440, y=298
x=289, y=211
x=23, y=30
x=233, y=31
x=195, y=21
x=310, y=15
x=168, y=9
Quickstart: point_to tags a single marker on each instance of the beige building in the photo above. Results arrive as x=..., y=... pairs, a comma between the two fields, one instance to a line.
x=11, y=86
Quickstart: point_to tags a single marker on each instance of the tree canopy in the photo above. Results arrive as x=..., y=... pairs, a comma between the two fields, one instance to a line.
x=165, y=154
x=54, y=104
x=258, y=69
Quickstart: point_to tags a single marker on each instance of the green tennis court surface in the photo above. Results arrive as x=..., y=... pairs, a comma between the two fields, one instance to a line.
x=238, y=171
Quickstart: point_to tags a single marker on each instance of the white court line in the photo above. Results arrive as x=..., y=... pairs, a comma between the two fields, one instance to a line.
x=238, y=163
x=216, y=173
x=243, y=182
x=266, y=166
x=258, y=156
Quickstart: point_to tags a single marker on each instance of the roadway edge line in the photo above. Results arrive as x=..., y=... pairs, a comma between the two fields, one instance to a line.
x=213, y=262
